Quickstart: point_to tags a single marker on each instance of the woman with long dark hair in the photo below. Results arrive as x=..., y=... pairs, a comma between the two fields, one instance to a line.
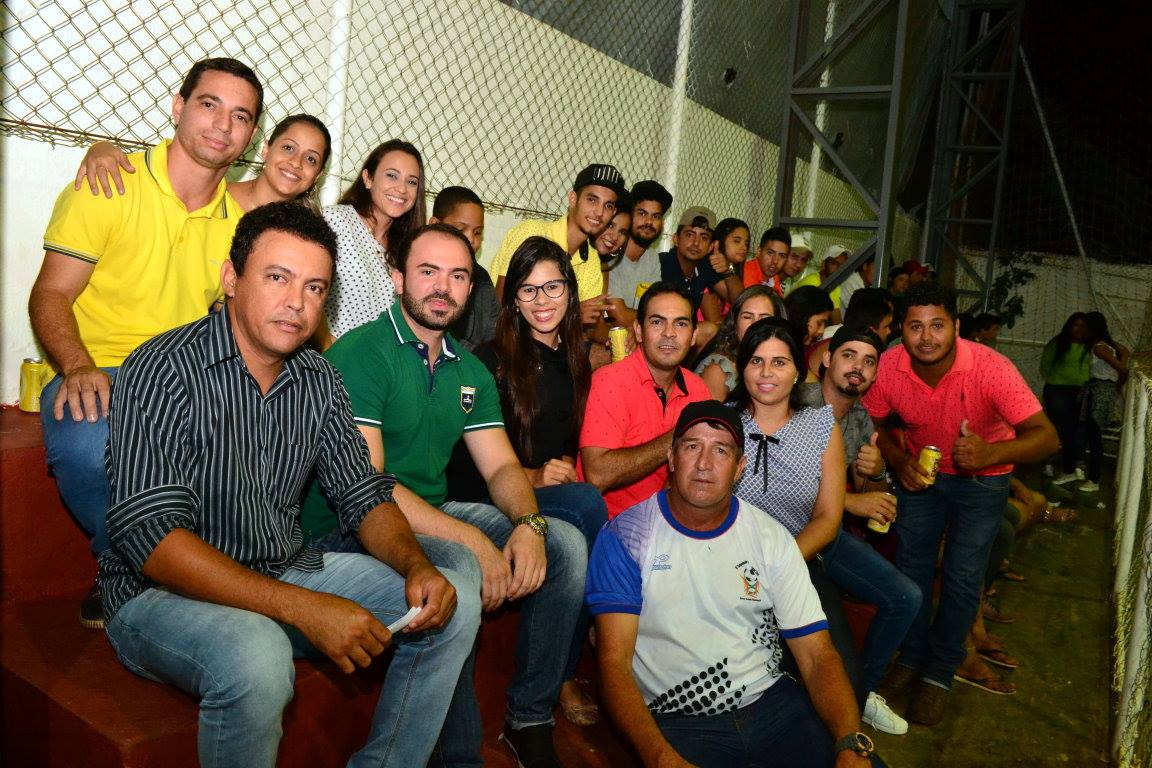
x=1108, y=370
x=542, y=372
x=372, y=218
x=1064, y=364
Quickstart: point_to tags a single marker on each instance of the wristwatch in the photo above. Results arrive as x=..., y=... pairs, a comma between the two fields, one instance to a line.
x=536, y=522
x=857, y=742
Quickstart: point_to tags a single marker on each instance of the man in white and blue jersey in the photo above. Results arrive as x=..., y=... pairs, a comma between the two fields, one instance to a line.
x=693, y=590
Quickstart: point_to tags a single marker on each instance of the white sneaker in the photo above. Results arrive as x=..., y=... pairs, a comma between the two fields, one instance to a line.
x=1088, y=487
x=1064, y=479
x=880, y=716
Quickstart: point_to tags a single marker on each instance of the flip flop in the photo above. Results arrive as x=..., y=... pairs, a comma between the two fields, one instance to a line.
x=1010, y=575
x=998, y=658
x=990, y=684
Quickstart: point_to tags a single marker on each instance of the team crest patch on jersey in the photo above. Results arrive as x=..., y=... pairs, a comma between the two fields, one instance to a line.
x=750, y=577
x=467, y=398
x=661, y=563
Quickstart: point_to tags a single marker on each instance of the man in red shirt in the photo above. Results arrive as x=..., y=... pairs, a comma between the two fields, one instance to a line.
x=633, y=404
x=775, y=246
x=970, y=402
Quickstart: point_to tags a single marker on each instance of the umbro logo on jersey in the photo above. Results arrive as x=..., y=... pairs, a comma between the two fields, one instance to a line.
x=661, y=563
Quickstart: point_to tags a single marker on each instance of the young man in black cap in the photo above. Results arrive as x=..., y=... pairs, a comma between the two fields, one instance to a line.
x=693, y=591
x=591, y=206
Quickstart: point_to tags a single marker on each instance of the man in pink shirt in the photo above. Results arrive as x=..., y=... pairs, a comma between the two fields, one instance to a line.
x=633, y=404
x=970, y=402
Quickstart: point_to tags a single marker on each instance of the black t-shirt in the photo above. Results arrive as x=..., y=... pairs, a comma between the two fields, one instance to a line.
x=705, y=276
x=553, y=434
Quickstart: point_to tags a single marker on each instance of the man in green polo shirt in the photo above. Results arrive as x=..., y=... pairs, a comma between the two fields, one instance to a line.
x=415, y=393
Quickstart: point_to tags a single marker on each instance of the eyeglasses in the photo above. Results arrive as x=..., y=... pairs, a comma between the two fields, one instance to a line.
x=553, y=289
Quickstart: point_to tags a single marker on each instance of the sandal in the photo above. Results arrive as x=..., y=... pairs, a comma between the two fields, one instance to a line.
x=583, y=712
x=582, y=715
x=1010, y=575
x=991, y=684
x=1058, y=515
x=998, y=658
x=994, y=614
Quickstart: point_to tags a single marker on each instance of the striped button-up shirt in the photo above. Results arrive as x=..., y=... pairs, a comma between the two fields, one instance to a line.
x=194, y=444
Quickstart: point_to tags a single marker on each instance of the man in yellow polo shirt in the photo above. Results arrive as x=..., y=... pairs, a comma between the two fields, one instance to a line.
x=118, y=271
x=591, y=205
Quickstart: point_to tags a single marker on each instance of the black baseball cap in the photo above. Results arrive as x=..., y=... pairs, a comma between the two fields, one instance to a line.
x=601, y=176
x=651, y=190
x=713, y=412
x=847, y=333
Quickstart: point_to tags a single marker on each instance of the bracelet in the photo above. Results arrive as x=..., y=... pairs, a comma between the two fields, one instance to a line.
x=877, y=478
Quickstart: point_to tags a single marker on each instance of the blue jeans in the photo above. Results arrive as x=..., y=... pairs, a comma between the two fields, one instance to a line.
x=781, y=728
x=971, y=508
x=76, y=453
x=547, y=615
x=860, y=570
x=583, y=506
x=239, y=663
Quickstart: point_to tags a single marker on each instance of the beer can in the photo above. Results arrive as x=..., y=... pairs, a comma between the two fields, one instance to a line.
x=618, y=338
x=930, y=461
x=33, y=376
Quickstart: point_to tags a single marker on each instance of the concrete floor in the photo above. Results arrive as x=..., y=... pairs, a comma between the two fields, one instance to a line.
x=1060, y=715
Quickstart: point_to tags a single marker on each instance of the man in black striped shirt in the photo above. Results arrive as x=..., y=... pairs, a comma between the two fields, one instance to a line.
x=215, y=428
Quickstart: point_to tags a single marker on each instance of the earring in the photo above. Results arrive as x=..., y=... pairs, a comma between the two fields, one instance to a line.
x=796, y=380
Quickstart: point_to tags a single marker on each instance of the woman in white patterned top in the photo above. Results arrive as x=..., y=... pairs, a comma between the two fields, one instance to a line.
x=373, y=216
x=796, y=473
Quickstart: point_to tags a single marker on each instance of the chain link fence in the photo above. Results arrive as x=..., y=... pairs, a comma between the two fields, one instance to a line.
x=508, y=98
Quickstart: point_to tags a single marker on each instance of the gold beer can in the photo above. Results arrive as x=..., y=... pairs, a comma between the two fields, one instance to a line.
x=930, y=461
x=33, y=376
x=618, y=338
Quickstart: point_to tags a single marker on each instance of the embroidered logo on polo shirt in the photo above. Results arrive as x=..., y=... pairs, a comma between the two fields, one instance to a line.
x=467, y=398
x=661, y=563
x=751, y=579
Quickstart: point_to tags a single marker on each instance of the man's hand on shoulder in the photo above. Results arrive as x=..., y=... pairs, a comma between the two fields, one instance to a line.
x=525, y=553
x=343, y=631
x=88, y=392
x=426, y=587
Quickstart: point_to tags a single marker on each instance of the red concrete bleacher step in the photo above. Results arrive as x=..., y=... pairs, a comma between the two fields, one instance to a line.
x=66, y=701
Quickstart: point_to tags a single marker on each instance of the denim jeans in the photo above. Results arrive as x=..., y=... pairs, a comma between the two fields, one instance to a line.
x=239, y=663
x=781, y=728
x=546, y=616
x=860, y=571
x=76, y=454
x=583, y=506
x=1062, y=404
x=971, y=508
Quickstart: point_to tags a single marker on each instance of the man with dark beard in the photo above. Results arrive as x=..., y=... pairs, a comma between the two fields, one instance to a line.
x=640, y=265
x=414, y=394
x=850, y=564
